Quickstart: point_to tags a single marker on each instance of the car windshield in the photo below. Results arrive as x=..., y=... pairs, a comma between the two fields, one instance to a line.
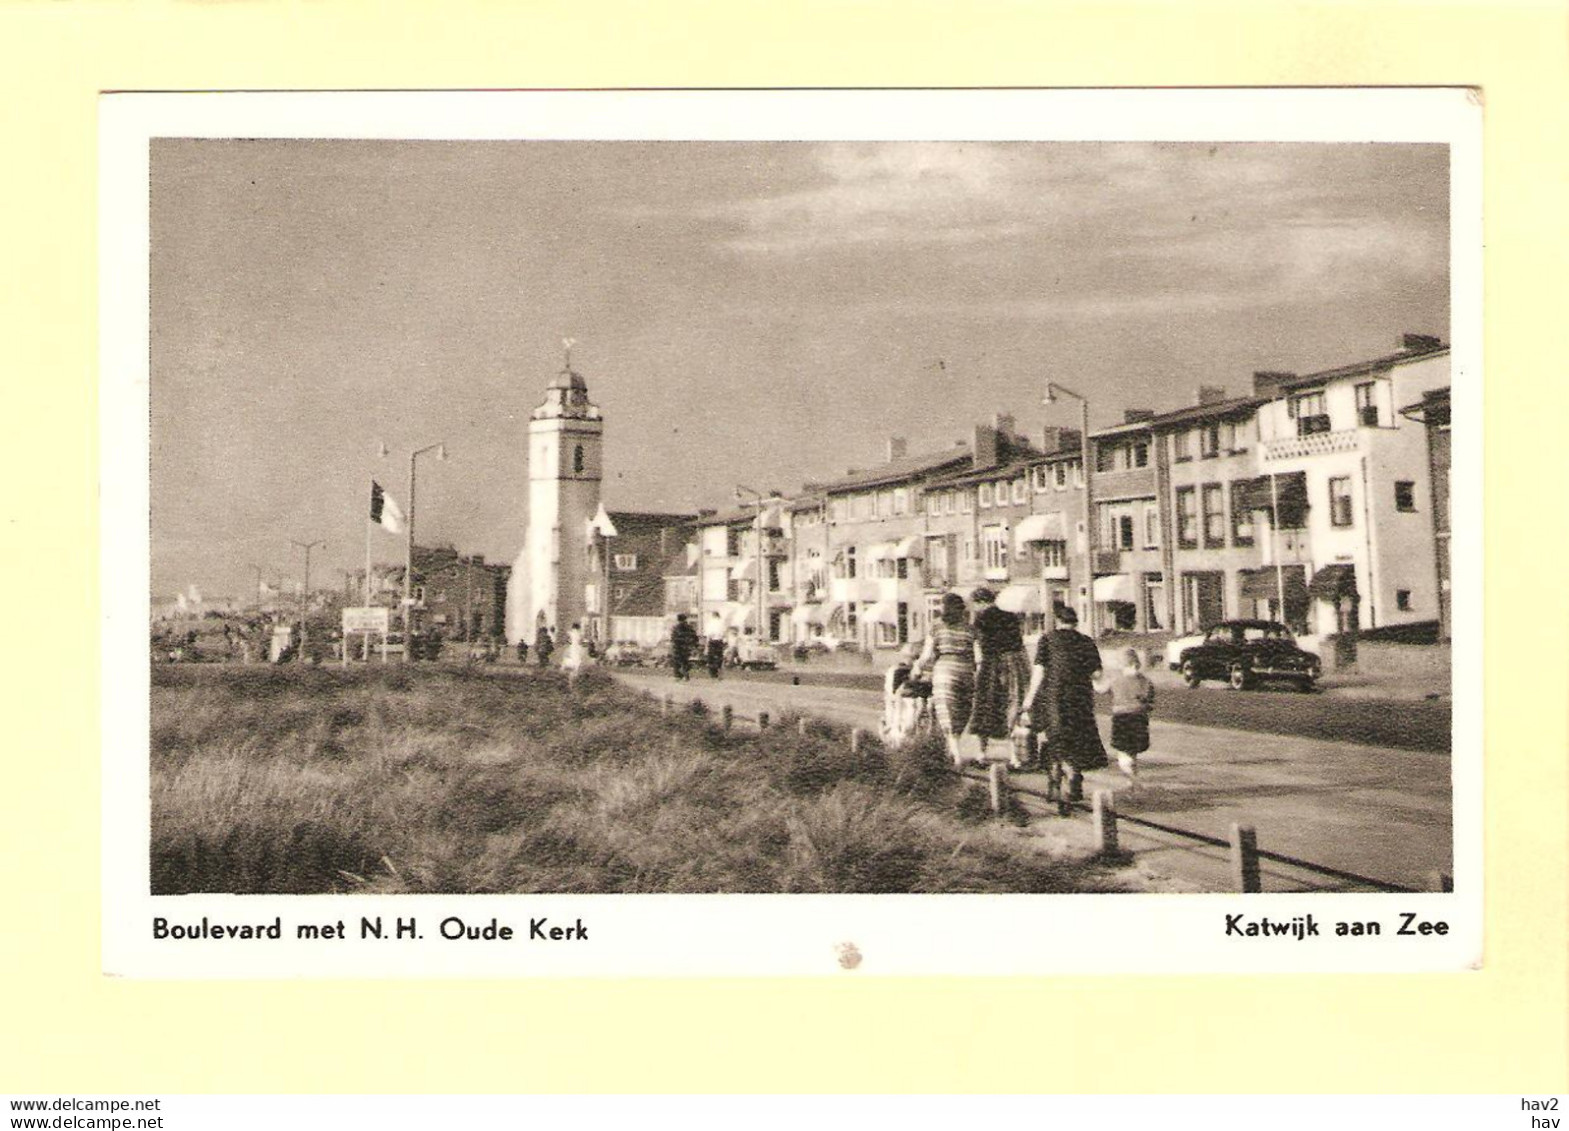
x=1265, y=632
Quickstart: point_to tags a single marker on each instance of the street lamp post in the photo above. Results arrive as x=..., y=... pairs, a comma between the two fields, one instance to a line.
x=1053, y=392
x=305, y=592
x=408, y=545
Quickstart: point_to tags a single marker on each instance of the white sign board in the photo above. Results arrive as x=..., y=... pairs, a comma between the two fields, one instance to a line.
x=372, y=619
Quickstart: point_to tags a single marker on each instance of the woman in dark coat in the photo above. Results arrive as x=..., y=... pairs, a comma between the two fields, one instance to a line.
x=1061, y=703
x=1001, y=675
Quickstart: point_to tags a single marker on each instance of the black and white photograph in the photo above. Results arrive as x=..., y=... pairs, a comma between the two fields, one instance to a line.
x=999, y=497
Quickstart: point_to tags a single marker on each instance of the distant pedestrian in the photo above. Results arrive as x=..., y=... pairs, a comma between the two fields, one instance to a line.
x=1132, y=700
x=1060, y=705
x=949, y=655
x=522, y=651
x=683, y=643
x=714, y=650
x=577, y=656
x=1000, y=677
x=543, y=646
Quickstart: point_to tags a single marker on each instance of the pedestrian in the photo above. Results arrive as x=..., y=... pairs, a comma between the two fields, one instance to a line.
x=1000, y=677
x=683, y=642
x=1060, y=706
x=1132, y=700
x=901, y=706
x=949, y=655
x=543, y=645
x=714, y=650
x=577, y=656
x=522, y=651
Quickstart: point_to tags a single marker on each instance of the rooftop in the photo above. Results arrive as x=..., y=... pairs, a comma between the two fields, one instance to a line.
x=905, y=467
x=1417, y=353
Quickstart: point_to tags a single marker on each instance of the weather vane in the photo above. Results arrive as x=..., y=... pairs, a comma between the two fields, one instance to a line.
x=567, y=344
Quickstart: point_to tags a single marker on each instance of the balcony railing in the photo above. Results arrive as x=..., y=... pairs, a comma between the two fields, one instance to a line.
x=1316, y=444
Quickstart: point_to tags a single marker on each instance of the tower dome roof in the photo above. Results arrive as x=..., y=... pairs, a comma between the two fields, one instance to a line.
x=568, y=378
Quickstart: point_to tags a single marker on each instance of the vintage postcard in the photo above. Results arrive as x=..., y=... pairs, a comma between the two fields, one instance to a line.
x=791, y=532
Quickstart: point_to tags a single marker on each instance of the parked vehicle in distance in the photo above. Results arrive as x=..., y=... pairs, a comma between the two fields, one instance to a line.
x=753, y=654
x=1179, y=645
x=1244, y=652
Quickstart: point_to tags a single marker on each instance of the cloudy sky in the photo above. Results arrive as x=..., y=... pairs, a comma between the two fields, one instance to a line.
x=745, y=313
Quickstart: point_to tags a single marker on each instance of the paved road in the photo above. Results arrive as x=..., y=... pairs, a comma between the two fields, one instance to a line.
x=1378, y=812
x=1403, y=724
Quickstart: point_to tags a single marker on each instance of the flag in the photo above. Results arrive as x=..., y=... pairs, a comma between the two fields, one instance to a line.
x=384, y=509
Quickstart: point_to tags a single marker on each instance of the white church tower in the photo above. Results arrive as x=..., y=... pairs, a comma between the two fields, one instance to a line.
x=565, y=446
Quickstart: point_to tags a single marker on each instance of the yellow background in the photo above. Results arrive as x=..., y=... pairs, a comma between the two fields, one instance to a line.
x=64, y=1028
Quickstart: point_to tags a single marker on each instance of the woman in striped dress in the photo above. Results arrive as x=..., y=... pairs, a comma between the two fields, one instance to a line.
x=949, y=654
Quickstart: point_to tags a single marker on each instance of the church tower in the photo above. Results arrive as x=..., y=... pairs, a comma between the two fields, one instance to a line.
x=565, y=448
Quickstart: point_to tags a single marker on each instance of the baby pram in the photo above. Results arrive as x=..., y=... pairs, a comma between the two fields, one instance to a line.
x=907, y=706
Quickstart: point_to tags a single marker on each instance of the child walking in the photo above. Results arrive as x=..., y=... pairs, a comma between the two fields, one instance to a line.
x=1132, y=699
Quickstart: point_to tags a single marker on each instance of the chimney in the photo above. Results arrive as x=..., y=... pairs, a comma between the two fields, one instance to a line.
x=984, y=447
x=1003, y=422
x=1051, y=438
x=1137, y=415
x=1267, y=382
x=1209, y=394
x=1420, y=343
x=896, y=448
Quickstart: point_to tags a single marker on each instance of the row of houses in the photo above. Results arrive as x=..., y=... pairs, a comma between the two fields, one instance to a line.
x=1319, y=499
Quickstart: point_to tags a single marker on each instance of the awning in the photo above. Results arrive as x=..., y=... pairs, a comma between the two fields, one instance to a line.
x=1333, y=582
x=910, y=548
x=1264, y=584
x=1020, y=598
x=880, y=551
x=816, y=613
x=777, y=600
x=1039, y=528
x=1289, y=490
x=1114, y=587
x=744, y=570
x=883, y=612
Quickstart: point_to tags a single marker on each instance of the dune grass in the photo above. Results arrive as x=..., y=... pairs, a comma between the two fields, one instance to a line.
x=449, y=780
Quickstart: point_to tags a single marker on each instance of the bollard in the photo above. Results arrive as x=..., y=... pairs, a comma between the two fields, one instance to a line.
x=1244, y=859
x=726, y=716
x=762, y=720
x=1105, y=810
x=855, y=740
x=665, y=703
x=996, y=782
x=1440, y=881
x=800, y=726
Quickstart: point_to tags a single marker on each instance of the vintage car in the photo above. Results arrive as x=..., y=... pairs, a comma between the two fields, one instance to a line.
x=1244, y=652
x=754, y=655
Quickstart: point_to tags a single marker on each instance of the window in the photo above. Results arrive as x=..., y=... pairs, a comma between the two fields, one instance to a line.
x=985, y=495
x=1182, y=446
x=1124, y=532
x=577, y=460
x=994, y=545
x=901, y=568
x=1151, y=526
x=934, y=504
x=1209, y=441
x=619, y=593
x=1078, y=473
x=1241, y=520
x=1106, y=457
x=1214, y=515
x=1403, y=600
x=1054, y=554
x=1187, y=518
x=733, y=542
x=966, y=502
x=1140, y=452
x=1042, y=478
x=1060, y=477
x=626, y=561
x=1309, y=412
x=1020, y=486
x=1340, y=501
x=1228, y=437
x=850, y=618
x=901, y=500
x=849, y=562
x=884, y=504
x=1367, y=405
x=774, y=575
x=1405, y=495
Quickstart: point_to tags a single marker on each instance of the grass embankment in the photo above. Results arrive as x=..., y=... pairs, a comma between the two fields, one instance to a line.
x=444, y=780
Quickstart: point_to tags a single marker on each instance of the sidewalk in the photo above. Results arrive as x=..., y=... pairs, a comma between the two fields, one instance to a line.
x=1372, y=811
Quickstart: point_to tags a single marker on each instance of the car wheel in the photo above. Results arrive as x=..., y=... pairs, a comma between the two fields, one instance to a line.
x=1190, y=674
x=1238, y=677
